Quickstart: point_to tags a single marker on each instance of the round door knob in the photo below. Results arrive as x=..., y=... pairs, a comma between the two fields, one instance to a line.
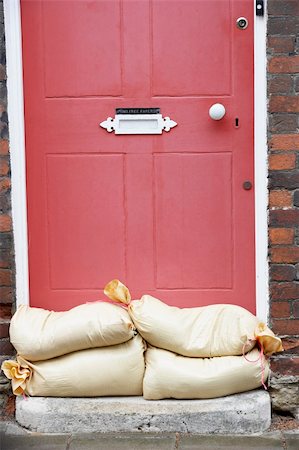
x=217, y=111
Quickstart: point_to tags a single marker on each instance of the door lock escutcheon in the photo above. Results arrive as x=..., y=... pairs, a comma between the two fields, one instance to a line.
x=247, y=185
x=242, y=23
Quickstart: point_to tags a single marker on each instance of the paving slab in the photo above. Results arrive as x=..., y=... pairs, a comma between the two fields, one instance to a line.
x=245, y=413
x=124, y=441
x=148, y=441
x=34, y=442
x=291, y=439
x=271, y=442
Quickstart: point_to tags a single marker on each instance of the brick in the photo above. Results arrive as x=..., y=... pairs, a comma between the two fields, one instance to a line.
x=281, y=44
x=296, y=310
x=282, y=122
x=4, y=330
x=283, y=64
x=282, y=272
x=284, y=142
x=287, y=180
x=285, y=326
x=4, y=167
x=5, y=312
x=5, y=203
x=285, y=366
x=283, y=7
x=6, y=240
x=283, y=103
x=282, y=161
x=6, y=348
x=6, y=295
x=282, y=25
x=284, y=291
x=5, y=277
x=5, y=184
x=290, y=345
x=10, y=407
x=284, y=218
x=296, y=82
x=281, y=235
x=6, y=258
x=4, y=147
x=280, y=84
x=280, y=309
x=280, y=199
x=284, y=255
x=5, y=222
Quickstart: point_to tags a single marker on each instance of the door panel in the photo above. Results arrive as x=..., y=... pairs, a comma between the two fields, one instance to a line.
x=79, y=221
x=80, y=63
x=188, y=41
x=167, y=214
x=188, y=257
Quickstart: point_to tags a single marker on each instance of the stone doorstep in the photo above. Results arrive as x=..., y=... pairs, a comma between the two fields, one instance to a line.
x=245, y=413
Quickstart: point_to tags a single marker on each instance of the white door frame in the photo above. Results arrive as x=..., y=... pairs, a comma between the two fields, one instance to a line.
x=17, y=154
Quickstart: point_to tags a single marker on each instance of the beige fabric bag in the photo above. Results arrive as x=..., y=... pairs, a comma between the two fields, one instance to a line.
x=38, y=334
x=169, y=375
x=215, y=330
x=116, y=370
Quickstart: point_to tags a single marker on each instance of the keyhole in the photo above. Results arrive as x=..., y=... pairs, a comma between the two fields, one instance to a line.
x=237, y=122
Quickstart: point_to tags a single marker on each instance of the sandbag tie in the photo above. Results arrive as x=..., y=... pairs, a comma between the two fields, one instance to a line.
x=260, y=358
x=118, y=294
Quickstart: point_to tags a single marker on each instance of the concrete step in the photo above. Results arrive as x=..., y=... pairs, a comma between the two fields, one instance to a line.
x=245, y=413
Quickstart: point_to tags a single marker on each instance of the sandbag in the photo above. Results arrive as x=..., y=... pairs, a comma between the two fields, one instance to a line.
x=38, y=334
x=214, y=330
x=169, y=375
x=107, y=371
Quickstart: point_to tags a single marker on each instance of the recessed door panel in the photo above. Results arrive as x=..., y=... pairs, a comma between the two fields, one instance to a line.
x=82, y=56
x=189, y=60
x=187, y=256
x=84, y=203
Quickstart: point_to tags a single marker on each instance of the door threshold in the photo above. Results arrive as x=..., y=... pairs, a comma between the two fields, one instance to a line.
x=245, y=413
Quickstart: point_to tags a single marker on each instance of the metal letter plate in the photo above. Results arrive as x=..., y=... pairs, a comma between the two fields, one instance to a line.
x=138, y=124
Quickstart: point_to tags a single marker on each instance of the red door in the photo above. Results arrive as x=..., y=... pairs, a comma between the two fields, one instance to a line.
x=166, y=214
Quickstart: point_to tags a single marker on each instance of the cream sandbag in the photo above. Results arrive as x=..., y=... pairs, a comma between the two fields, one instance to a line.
x=115, y=370
x=39, y=334
x=214, y=330
x=169, y=375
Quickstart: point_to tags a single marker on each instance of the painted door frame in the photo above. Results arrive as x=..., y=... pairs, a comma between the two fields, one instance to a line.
x=18, y=170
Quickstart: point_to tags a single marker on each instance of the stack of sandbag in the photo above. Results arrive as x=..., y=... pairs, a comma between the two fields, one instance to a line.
x=200, y=352
x=90, y=350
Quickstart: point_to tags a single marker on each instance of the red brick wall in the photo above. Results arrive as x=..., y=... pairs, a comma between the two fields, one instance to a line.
x=283, y=142
x=7, y=280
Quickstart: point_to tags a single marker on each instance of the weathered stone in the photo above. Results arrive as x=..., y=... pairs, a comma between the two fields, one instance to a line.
x=15, y=429
x=2, y=401
x=34, y=442
x=292, y=439
x=150, y=441
x=270, y=441
x=124, y=441
x=284, y=392
x=238, y=414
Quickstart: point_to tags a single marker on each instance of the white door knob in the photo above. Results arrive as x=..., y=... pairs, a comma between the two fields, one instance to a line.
x=217, y=111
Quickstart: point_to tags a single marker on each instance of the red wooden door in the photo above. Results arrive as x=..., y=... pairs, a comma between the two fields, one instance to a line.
x=166, y=214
